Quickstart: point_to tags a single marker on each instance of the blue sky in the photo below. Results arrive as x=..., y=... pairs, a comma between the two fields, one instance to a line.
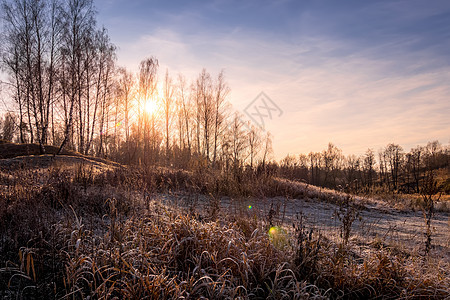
x=359, y=74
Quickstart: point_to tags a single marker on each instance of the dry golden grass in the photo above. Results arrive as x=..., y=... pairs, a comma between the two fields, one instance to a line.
x=69, y=232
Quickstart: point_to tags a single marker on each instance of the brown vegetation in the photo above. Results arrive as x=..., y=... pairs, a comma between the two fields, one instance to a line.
x=79, y=230
x=78, y=226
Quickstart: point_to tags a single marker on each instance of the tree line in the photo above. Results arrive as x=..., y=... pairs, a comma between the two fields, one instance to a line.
x=390, y=169
x=70, y=93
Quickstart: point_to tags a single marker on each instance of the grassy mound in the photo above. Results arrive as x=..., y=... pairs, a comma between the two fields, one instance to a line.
x=10, y=150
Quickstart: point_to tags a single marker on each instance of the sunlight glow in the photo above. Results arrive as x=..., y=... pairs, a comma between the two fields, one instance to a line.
x=278, y=237
x=150, y=107
x=273, y=231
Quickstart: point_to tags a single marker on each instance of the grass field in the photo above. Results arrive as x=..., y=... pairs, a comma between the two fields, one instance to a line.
x=74, y=228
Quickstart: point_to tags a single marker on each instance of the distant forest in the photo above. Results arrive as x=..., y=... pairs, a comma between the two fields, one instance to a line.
x=69, y=92
x=390, y=169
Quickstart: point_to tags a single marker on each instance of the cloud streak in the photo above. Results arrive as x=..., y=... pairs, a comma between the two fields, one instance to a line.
x=339, y=73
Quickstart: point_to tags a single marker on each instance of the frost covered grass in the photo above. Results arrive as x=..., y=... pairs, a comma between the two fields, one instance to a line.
x=78, y=231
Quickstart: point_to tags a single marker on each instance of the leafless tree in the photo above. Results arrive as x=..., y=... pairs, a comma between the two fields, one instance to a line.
x=147, y=89
x=394, y=154
x=352, y=168
x=238, y=142
x=167, y=102
x=254, y=143
x=205, y=110
x=314, y=163
x=79, y=21
x=8, y=127
x=125, y=93
x=221, y=91
x=433, y=151
x=331, y=159
x=267, y=149
x=185, y=111
x=32, y=32
x=369, y=166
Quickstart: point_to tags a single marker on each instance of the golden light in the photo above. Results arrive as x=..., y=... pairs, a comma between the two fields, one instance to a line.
x=278, y=237
x=150, y=107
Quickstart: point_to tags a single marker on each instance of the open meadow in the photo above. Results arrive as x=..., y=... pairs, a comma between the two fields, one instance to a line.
x=72, y=227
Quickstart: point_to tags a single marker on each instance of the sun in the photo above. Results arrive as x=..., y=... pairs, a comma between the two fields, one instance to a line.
x=150, y=107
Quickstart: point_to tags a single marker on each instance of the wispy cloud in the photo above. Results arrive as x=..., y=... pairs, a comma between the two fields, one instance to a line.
x=338, y=76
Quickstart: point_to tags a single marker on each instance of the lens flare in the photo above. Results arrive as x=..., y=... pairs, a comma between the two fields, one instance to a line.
x=273, y=231
x=277, y=237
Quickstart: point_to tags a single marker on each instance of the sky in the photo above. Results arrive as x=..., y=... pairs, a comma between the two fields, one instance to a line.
x=359, y=74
